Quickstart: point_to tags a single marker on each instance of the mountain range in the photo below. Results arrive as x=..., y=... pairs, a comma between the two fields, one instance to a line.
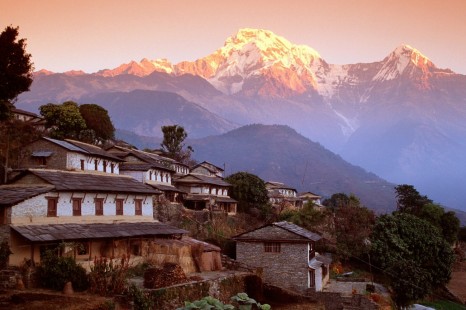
x=402, y=118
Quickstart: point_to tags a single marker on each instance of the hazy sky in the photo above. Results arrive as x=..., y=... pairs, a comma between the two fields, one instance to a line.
x=92, y=35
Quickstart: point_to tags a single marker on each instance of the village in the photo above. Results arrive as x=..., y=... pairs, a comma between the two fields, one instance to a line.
x=82, y=201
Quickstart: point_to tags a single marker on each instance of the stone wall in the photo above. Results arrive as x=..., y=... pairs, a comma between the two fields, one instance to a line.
x=56, y=161
x=288, y=268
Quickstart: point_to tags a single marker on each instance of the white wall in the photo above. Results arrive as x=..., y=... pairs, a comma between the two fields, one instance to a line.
x=34, y=210
x=73, y=162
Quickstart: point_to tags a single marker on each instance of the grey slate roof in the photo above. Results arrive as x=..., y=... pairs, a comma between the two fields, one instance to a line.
x=92, y=149
x=66, y=145
x=13, y=194
x=298, y=230
x=164, y=187
x=203, y=179
x=293, y=228
x=58, y=232
x=136, y=166
x=79, y=181
x=42, y=153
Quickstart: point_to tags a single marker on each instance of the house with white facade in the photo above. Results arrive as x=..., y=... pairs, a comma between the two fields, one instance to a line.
x=281, y=194
x=48, y=153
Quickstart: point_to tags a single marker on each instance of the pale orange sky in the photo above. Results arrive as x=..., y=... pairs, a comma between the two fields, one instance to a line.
x=97, y=34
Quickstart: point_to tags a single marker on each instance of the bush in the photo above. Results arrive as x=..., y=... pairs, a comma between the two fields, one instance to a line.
x=108, y=278
x=54, y=271
x=4, y=254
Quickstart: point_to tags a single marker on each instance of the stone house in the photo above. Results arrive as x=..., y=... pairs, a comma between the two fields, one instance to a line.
x=281, y=194
x=307, y=197
x=286, y=253
x=48, y=153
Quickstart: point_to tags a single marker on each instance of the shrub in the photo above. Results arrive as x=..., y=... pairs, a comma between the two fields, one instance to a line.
x=107, y=277
x=54, y=271
x=4, y=254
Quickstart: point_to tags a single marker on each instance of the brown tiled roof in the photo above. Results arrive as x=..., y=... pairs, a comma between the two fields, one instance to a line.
x=13, y=194
x=81, y=181
x=58, y=232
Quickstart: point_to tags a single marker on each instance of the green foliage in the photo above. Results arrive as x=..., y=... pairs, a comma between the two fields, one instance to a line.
x=249, y=190
x=54, y=271
x=206, y=303
x=413, y=254
x=98, y=121
x=15, y=69
x=172, y=144
x=108, y=277
x=64, y=120
x=353, y=226
x=141, y=299
x=411, y=202
x=5, y=253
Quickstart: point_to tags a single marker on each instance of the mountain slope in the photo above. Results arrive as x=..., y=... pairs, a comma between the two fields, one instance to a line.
x=279, y=153
x=145, y=112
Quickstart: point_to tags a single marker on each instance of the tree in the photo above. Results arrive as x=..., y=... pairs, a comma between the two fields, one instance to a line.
x=98, y=121
x=413, y=254
x=63, y=120
x=249, y=190
x=15, y=134
x=173, y=137
x=353, y=227
x=307, y=217
x=409, y=200
x=15, y=69
x=340, y=200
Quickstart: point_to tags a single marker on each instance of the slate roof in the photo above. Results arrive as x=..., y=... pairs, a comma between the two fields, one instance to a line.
x=293, y=228
x=277, y=185
x=207, y=165
x=42, y=153
x=14, y=194
x=66, y=145
x=92, y=149
x=92, y=182
x=203, y=179
x=58, y=232
x=139, y=166
x=164, y=187
x=298, y=230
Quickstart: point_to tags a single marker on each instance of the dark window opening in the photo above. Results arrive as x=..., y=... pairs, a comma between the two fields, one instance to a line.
x=138, y=206
x=272, y=247
x=52, y=207
x=99, y=206
x=77, y=206
x=119, y=206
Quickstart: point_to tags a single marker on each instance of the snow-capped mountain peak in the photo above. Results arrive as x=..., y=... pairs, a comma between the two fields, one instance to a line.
x=142, y=68
x=404, y=59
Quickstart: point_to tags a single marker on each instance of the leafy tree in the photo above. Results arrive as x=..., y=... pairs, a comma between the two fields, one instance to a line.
x=172, y=144
x=249, y=190
x=307, y=217
x=409, y=200
x=15, y=134
x=15, y=69
x=353, y=226
x=98, y=121
x=340, y=200
x=63, y=120
x=413, y=254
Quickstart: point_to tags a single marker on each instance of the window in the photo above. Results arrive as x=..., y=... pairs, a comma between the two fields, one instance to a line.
x=138, y=206
x=52, y=207
x=150, y=175
x=112, y=168
x=3, y=216
x=77, y=206
x=82, y=248
x=96, y=166
x=99, y=206
x=119, y=206
x=272, y=247
x=82, y=164
x=105, y=165
x=312, y=278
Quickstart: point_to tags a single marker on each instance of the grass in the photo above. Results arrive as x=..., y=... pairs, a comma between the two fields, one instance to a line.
x=443, y=305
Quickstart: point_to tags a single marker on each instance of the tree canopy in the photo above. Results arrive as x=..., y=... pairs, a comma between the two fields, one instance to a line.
x=248, y=189
x=411, y=202
x=97, y=120
x=412, y=253
x=64, y=120
x=172, y=144
x=15, y=69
